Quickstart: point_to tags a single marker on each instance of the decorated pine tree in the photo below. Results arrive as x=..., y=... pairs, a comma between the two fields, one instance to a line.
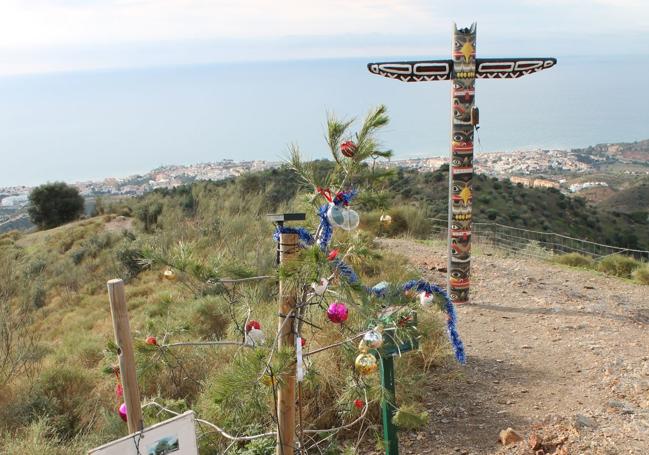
x=303, y=375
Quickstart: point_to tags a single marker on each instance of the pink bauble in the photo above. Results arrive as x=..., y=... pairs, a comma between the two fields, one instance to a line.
x=122, y=411
x=337, y=312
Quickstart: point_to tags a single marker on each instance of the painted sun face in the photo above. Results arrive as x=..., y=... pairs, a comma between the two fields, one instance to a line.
x=462, y=193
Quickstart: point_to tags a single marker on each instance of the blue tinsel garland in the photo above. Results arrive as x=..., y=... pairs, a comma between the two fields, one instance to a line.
x=305, y=236
x=449, y=309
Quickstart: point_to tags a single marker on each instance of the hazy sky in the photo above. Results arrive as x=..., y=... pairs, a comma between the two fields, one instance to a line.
x=55, y=35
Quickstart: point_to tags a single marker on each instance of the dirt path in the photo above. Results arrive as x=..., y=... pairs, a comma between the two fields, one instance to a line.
x=555, y=353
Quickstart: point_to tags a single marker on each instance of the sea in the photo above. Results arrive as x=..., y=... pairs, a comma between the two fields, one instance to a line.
x=77, y=126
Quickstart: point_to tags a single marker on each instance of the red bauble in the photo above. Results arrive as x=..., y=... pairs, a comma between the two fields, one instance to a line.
x=252, y=325
x=359, y=404
x=348, y=148
x=302, y=341
x=332, y=255
x=152, y=341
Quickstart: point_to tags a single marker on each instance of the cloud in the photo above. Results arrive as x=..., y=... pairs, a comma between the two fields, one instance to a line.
x=48, y=35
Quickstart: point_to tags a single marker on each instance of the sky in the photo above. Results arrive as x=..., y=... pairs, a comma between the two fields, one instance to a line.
x=66, y=35
x=96, y=88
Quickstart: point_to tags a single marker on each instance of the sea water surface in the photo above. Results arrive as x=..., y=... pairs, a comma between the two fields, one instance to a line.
x=85, y=125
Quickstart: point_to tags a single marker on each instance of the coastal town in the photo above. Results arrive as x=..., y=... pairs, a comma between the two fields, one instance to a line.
x=531, y=168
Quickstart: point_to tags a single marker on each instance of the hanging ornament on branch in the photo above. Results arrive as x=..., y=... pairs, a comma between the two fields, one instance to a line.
x=122, y=412
x=365, y=364
x=254, y=334
x=343, y=217
x=320, y=288
x=169, y=275
x=348, y=149
x=372, y=339
x=337, y=312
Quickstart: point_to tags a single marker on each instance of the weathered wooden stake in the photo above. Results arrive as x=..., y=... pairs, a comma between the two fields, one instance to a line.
x=288, y=245
x=121, y=326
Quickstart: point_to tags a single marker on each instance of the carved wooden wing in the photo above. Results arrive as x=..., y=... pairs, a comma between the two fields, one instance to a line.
x=510, y=68
x=422, y=71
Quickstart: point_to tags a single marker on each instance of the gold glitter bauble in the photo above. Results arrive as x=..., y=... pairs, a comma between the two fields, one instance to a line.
x=365, y=364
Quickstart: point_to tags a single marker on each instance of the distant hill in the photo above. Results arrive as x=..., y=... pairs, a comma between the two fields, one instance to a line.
x=623, y=151
x=630, y=200
x=532, y=208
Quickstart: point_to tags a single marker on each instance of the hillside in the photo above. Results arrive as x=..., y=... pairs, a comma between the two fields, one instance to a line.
x=494, y=200
x=530, y=208
x=58, y=396
x=57, y=390
x=630, y=200
x=630, y=152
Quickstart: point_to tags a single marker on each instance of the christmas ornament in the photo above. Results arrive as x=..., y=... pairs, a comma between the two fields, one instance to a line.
x=365, y=364
x=119, y=391
x=348, y=148
x=303, y=341
x=122, y=412
x=267, y=380
x=410, y=293
x=332, y=254
x=343, y=217
x=359, y=404
x=385, y=219
x=169, y=275
x=252, y=325
x=152, y=341
x=337, y=312
x=255, y=337
x=426, y=298
x=373, y=339
x=320, y=288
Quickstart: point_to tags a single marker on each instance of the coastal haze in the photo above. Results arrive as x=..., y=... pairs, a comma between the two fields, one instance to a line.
x=89, y=125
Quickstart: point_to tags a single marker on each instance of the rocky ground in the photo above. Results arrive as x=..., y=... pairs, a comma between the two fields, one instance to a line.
x=559, y=355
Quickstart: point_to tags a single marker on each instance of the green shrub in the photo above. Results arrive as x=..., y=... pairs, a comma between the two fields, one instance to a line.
x=34, y=268
x=575, y=260
x=209, y=318
x=131, y=259
x=641, y=274
x=38, y=296
x=63, y=394
x=618, y=265
x=78, y=255
x=38, y=438
x=54, y=204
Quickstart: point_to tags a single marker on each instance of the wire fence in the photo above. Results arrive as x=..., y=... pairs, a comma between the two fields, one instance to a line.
x=537, y=244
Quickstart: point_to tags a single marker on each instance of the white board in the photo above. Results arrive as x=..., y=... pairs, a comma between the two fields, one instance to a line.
x=176, y=436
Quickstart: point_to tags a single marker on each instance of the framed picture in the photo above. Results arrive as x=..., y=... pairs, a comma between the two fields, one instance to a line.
x=176, y=436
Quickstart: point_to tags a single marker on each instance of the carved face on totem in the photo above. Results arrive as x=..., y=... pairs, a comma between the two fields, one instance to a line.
x=462, y=141
x=462, y=194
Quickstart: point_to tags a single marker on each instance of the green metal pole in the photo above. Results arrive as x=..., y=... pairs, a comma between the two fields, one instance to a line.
x=388, y=407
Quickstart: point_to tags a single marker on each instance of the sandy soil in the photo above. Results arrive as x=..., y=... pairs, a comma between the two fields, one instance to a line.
x=558, y=354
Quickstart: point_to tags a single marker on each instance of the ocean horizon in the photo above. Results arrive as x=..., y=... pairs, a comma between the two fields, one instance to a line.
x=87, y=125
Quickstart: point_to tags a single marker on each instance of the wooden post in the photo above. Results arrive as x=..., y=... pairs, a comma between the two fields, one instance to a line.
x=117, y=298
x=288, y=245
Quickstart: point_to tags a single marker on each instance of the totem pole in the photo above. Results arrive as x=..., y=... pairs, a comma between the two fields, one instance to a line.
x=462, y=69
